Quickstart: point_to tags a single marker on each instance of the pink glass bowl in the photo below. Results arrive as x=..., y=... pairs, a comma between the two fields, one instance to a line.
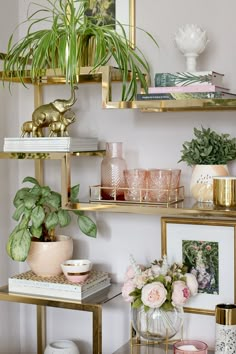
x=76, y=270
x=190, y=347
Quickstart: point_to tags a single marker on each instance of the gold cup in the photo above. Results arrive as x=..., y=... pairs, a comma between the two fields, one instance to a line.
x=225, y=314
x=224, y=191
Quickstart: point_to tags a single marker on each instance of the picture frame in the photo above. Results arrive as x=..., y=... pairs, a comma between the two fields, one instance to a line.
x=208, y=249
x=124, y=12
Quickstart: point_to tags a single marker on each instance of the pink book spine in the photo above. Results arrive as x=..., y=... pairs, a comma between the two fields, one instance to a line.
x=192, y=88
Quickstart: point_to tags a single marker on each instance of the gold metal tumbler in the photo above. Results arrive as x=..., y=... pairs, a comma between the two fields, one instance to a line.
x=225, y=314
x=225, y=329
x=224, y=191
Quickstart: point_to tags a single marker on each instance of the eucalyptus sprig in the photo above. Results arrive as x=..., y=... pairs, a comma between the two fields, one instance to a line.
x=38, y=212
x=68, y=37
x=208, y=148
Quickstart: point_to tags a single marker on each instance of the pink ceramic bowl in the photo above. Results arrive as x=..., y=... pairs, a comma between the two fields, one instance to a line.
x=76, y=270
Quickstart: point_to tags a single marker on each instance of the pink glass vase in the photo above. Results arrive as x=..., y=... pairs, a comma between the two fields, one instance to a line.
x=112, y=172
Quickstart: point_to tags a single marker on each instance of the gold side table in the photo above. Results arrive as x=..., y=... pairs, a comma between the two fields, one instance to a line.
x=91, y=304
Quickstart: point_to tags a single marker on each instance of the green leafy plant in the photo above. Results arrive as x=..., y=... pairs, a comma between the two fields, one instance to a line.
x=69, y=37
x=208, y=148
x=38, y=212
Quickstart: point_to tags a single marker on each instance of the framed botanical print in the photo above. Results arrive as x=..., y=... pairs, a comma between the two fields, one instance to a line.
x=207, y=248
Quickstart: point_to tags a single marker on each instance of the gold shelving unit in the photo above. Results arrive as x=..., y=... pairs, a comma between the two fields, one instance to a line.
x=106, y=75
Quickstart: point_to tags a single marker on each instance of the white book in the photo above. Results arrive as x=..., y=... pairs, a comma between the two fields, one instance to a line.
x=50, y=144
x=56, y=293
x=58, y=283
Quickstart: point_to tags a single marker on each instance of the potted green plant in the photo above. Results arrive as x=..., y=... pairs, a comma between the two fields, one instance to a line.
x=208, y=153
x=38, y=213
x=68, y=37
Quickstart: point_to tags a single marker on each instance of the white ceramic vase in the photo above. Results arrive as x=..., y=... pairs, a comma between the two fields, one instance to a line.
x=62, y=347
x=45, y=258
x=201, y=185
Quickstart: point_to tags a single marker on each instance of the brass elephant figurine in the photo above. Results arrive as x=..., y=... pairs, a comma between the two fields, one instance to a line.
x=60, y=128
x=46, y=114
x=27, y=129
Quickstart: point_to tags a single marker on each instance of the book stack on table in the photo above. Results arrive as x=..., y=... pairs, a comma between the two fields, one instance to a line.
x=187, y=85
x=58, y=286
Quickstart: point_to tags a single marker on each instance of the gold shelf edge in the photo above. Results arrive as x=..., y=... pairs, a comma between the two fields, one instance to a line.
x=23, y=155
x=174, y=105
x=186, y=208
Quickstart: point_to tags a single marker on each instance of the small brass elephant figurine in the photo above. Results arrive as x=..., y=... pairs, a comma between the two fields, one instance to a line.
x=60, y=128
x=45, y=115
x=27, y=129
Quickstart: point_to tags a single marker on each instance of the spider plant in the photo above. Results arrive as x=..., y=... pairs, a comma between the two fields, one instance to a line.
x=65, y=40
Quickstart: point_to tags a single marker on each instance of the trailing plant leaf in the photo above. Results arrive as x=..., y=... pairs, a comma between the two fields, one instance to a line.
x=38, y=216
x=74, y=193
x=18, y=212
x=20, y=195
x=19, y=245
x=64, y=217
x=87, y=226
x=54, y=200
x=51, y=220
x=208, y=148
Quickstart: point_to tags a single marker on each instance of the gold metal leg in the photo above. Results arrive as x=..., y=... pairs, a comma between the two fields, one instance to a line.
x=97, y=330
x=41, y=329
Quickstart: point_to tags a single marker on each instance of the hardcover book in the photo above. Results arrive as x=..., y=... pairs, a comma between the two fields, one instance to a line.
x=58, y=286
x=188, y=78
x=184, y=96
x=49, y=144
x=190, y=88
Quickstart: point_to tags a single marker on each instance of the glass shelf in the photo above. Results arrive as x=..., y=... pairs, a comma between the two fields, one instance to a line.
x=92, y=304
x=99, y=298
x=106, y=75
x=187, y=207
x=148, y=349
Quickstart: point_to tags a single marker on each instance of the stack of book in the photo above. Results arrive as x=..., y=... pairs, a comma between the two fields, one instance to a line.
x=58, y=286
x=187, y=85
x=44, y=144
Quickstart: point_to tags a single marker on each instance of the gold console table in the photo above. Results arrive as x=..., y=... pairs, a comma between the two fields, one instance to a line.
x=91, y=304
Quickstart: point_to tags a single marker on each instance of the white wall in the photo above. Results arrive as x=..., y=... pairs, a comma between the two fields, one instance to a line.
x=150, y=140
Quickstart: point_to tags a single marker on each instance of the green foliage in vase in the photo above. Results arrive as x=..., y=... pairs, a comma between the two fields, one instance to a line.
x=38, y=212
x=208, y=148
x=67, y=38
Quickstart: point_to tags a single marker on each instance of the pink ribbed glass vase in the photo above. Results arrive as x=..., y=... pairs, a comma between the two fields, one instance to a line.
x=112, y=172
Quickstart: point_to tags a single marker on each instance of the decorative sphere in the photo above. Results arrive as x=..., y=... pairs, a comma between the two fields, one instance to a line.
x=191, y=38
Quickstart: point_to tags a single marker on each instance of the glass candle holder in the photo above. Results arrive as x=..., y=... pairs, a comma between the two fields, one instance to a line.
x=135, y=182
x=190, y=347
x=158, y=183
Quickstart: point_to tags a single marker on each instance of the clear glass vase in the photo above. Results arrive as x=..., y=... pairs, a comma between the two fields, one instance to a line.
x=157, y=324
x=112, y=172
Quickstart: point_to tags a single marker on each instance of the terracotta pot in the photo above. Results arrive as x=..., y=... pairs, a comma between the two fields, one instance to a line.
x=45, y=258
x=201, y=185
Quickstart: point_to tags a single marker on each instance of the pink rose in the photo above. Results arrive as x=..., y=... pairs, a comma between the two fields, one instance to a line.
x=130, y=273
x=127, y=288
x=192, y=283
x=180, y=294
x=153, y=294
x=140, y=280
x=156, y=269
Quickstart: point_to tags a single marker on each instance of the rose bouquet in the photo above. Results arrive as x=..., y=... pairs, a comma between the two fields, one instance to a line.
x=159, y=285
